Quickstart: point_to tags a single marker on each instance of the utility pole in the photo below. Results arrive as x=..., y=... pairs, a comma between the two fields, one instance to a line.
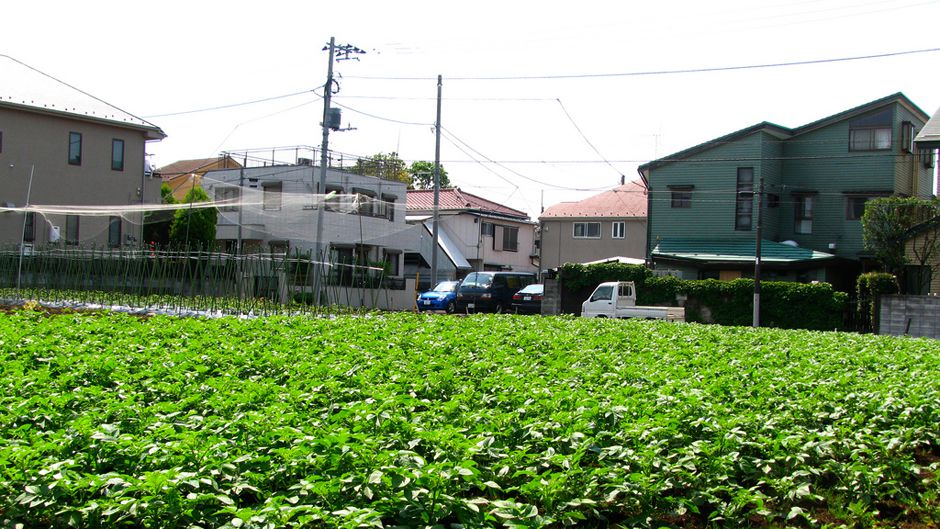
x=324, y=156
x=757, y=252
x=343, y=51
x=435, y=228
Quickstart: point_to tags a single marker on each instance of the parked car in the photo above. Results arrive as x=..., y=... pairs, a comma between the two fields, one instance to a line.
x=490, y=291
x=442, y=297
x=529, y=299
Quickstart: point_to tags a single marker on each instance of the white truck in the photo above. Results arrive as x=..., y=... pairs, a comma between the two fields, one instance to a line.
x=617, y=299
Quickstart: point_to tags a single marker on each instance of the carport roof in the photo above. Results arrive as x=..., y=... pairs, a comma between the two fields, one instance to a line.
x=735, y=251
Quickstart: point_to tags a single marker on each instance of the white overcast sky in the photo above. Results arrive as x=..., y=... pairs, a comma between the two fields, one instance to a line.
x=546, y=116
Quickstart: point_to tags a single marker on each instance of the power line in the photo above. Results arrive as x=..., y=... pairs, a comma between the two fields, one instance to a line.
x=660, y=72
x=234, y=105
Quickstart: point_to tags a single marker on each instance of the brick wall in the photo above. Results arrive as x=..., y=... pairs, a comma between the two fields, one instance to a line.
x=910, y=315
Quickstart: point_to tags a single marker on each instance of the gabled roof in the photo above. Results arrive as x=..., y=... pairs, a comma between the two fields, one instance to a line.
x=929, y=136
x=729, y=251
x=454, y=200
x=783, y=132
x=764, y=126
x=628, y=200
x=861, y=109
x=27, y=88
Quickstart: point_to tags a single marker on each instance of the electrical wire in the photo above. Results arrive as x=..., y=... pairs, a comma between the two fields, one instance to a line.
x=658, y=72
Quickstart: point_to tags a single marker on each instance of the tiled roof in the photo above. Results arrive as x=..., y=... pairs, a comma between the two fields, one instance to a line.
x=198, y=166
x=628, y=200
x=453, y=199
x=26, y=87
x=735, y=251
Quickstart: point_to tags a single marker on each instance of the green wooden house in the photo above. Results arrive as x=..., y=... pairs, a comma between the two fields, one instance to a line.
x=703, y=201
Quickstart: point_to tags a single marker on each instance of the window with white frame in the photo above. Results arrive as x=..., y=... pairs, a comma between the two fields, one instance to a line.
x=804, y=206
x=618, y=229
x=587, y=230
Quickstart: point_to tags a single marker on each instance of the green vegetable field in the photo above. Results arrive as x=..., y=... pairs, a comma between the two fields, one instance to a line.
x=485, y=421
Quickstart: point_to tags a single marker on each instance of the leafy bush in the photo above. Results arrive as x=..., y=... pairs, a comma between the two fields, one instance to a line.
x=868, y=288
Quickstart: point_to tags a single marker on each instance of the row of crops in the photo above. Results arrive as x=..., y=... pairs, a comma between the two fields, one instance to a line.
x=417, y=420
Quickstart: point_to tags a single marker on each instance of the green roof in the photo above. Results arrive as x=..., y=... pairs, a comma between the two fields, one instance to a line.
x=735, y=251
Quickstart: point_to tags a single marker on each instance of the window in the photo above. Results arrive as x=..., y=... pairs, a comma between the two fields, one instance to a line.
x=681, y=196
x=587, y=230
x=907, y=137
x=510, y=239
x=114, y=231
x=803, y=214
x=117, y=155
x=271, y=196
x=744, y=199
x=855, y=207
x=332, y=203
x=617, y=229
x=227, y=194
x=365, y=202
x=29, y=227
x=391, y=263
x=871, y=132
x=927, y=157
x=75, y=148
x=487, y=229
x=71, y=230
x=388, y=202
x=773, y=200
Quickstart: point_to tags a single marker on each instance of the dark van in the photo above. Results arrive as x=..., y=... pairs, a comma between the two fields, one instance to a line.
x=490, y=291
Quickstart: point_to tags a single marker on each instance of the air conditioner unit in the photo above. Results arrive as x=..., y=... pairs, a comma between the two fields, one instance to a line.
x=304, y=161
x=27, y=249
x=54, y=234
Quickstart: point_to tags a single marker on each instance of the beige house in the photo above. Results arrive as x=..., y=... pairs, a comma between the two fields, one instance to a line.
x=476, y=234
x=606, y=225
x=62, y=147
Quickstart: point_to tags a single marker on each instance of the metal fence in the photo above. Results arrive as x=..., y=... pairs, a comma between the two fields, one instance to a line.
x=183, y=280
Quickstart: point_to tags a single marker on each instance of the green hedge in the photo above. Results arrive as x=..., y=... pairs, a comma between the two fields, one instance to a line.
x=785, y=305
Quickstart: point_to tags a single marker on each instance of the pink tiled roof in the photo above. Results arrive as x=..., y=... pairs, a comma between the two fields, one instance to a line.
x=628, y=200
x=455, y=199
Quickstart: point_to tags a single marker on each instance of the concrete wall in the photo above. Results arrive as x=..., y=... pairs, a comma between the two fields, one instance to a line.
x=910, y=315
x=551, y=299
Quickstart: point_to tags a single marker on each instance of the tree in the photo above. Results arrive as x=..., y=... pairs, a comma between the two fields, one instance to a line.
x=157, y=223
x=422, y=176
x=194, y=227
x=889, y=223
x=386, y=166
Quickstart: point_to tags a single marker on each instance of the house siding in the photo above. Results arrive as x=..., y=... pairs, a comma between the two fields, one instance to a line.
x=714, y=175
x=559, y=246
x=40, y=141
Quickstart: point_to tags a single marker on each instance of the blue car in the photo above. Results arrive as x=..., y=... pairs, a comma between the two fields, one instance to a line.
x=442, y=297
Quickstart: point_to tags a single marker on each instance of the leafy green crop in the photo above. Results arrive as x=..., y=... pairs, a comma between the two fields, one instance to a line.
x=484, y=421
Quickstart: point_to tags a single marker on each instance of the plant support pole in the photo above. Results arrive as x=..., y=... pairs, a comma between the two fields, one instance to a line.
x=19, y=268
